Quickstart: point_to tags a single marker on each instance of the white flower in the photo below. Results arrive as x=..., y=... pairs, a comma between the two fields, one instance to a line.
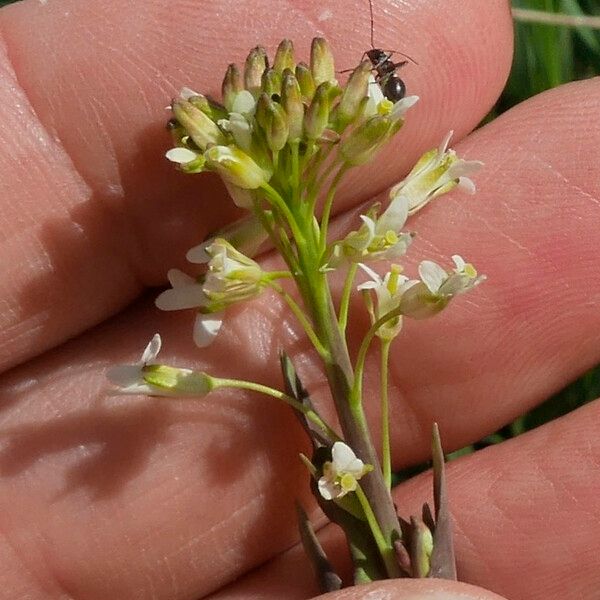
x=378, y=104
x=437, y=172
x=185, y=293
x=437, y=287
x=146, y=377
x=231, y=278
x=388, y=294
x=341, y=475
x=379, y=238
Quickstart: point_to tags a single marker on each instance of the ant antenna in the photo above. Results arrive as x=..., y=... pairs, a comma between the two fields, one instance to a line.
x=372, y=23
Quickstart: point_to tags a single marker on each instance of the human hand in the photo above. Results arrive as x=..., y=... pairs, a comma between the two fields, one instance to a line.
x=138, y=498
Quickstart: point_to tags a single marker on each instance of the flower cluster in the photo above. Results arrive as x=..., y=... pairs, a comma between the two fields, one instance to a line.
x=282, y=139
x=273, y=116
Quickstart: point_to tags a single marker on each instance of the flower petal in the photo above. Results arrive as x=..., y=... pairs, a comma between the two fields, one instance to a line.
x=181, y=156
x=344, y=458
x=206, y=328
x=327, y=488
x=152, y=350
x=198, y=254
x=432, y=275
x=180, y=298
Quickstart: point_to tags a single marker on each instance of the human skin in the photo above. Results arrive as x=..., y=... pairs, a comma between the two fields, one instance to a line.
x=136, y=498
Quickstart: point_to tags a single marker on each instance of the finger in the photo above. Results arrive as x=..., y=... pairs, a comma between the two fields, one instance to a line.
x=97, y=212
x=524, y=519
x=260, y=439
x=424, y=589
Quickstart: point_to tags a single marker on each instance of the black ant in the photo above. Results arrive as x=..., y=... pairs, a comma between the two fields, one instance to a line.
x=391, y=85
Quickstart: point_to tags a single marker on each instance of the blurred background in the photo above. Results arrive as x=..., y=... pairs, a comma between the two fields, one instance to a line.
x=556, y=41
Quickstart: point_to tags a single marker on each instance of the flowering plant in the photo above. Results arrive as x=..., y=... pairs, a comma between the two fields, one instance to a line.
x=282, y=139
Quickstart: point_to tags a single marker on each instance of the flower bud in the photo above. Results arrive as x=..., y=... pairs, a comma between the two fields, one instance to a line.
x=305, y=81
x=352, y=97
x=317, y=114
x=276, y=127
x=263, y=105
x=198, y=125
x=235, y=166
x=271, y=83
x=421, y=547
x=256, y=63
x=284, y=57
x=365, y=141
x=232, y=85
x=291, y=100
x=321, y=61
x=177, y=382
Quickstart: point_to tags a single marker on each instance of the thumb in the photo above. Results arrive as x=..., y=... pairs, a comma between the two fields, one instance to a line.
x=413, y=589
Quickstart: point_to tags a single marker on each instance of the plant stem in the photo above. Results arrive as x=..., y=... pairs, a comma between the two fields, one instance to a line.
x=269, y=391
x=302, y=319
x=386, y=463
x=362, y=353
x=328, y=205
x=345, y=302
x=386, y=551
x=352, y=417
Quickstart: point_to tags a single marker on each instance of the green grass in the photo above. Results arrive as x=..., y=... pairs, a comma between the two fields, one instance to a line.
x=547, y=56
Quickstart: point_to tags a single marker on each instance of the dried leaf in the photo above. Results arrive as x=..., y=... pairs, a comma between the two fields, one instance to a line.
x=443, y=561
x=327, y=578
x=293, y=387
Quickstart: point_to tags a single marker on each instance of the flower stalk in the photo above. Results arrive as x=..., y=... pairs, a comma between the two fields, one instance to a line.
x=283, y=140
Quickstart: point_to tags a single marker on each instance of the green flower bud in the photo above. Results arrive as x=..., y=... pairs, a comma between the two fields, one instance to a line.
x=291, y=100
x=256, y=63
x=276, y=127
x=317, y=114
x=180, y=382
x=421, y=548
x=361, y=145
x=284, y=57
x=306, y=82
x=351, y=102
x=321, y=61
x=232, y=85
x=213, y=110
x=271, y=83
x=235, y=166
x=263, y=105
x=198, y=125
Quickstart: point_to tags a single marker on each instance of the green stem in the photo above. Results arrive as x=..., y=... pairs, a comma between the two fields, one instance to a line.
x=356, y=394
x=385, y=550
x=274, y=196
x=345, y=302
x=303, y=320
x=386, y=463
x=328, y=205
x=269, y=391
